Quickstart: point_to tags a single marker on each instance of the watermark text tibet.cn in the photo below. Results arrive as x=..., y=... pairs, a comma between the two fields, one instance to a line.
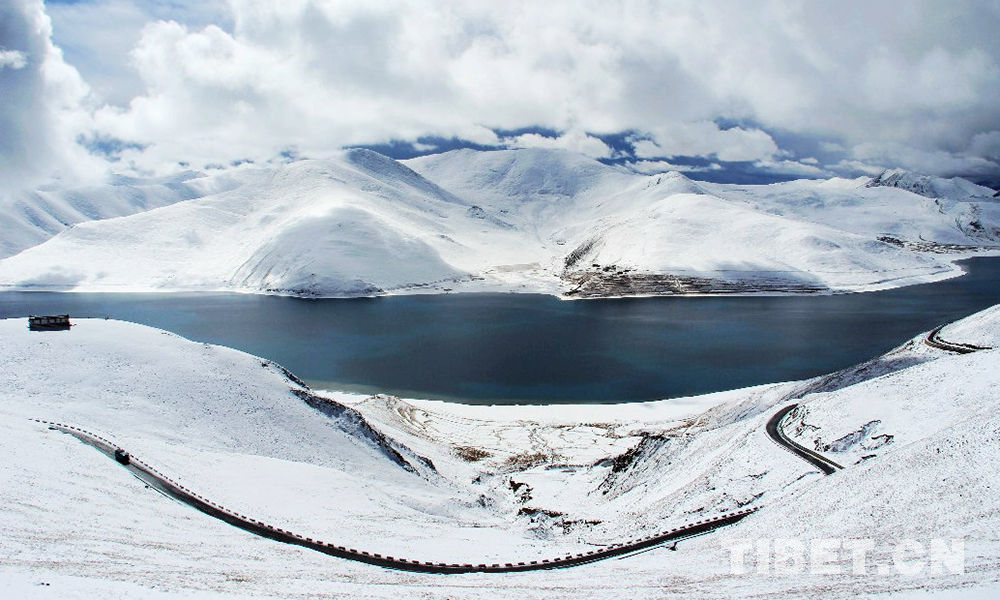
x=833, y=556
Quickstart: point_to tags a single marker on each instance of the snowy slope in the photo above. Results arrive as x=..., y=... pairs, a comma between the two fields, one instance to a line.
x=703, y=235
x=875, y=211
x=954, y=188
x=916, y=430
x=530, y=220
x=511, y=177
x=227, y=425
x=806, y=233
x=547, y=480
x=982, y=331
x=314, y=227
x=29, y=218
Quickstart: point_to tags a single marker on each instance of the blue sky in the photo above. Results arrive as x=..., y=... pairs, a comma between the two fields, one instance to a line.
x=721, y=90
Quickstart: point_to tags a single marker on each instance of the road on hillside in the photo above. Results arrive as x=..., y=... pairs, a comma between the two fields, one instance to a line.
x=172, y=489
x=816, y=459
x=934, y=340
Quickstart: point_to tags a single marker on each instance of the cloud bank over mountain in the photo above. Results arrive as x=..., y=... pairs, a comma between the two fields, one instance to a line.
x=804, y=89
x=42, y=102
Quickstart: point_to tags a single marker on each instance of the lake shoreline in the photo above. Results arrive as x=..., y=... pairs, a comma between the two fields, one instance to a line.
x=535, y=349
x=675, y=284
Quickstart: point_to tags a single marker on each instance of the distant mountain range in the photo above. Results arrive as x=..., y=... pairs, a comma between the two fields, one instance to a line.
x=528, y=220
x=931, y=187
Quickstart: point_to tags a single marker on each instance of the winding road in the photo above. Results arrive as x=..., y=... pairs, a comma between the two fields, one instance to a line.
x=173, y=489
x=170, y=488
x=824, y=464
x=816, y=459
x=934, y=340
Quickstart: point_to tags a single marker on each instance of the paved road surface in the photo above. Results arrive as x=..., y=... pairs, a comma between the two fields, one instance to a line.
x=826, y=465
x=816, y=459
x=173, y=489
x=934, y=340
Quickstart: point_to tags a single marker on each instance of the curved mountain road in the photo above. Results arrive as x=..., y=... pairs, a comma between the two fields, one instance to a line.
x=816, y=459
x=934, y=340
x=173, y=489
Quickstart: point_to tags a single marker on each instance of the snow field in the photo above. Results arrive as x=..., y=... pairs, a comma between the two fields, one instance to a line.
x=226, y=425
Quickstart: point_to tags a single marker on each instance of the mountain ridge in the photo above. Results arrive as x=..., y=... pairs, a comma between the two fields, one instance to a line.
x=531, y=220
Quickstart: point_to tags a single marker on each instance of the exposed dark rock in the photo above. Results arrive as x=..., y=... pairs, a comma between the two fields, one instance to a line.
x=531, y=512
x=351, y=422
x=581, y=251
x=369, y=290
x=615, y=282
x=288, y=374
x=935, y=247
x=850, y=440
x=477, y=212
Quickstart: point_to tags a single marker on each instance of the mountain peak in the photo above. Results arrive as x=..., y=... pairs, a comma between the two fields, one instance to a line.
x=955, y=188
x=675, y=182
x=386, y=169
x=525, y=173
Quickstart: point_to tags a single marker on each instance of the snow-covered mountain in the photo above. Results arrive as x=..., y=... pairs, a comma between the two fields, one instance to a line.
x=353, y=226
x=915, y=432
x=932, y=187
x=519, y=220
x=29, y=218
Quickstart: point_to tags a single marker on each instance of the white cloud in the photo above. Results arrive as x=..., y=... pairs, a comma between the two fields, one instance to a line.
x=705, y=138
x=575, y=140
x=44, y=104
x=206, y=83
x=938, y=79
x=647, y=148
x=97, y=36
x=792, y=168
x=652, y=167
x=12, y=59
x=853, y=167
x=929, y=162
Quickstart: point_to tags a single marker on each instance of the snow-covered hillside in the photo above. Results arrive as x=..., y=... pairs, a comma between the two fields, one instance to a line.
x=932, y=187
x=352, y=227
x=515, y=220
x=896, y=215
x=916, y=431
x=29, y=218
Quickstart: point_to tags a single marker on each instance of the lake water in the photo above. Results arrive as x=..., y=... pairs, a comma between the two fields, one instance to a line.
x=513, y=348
